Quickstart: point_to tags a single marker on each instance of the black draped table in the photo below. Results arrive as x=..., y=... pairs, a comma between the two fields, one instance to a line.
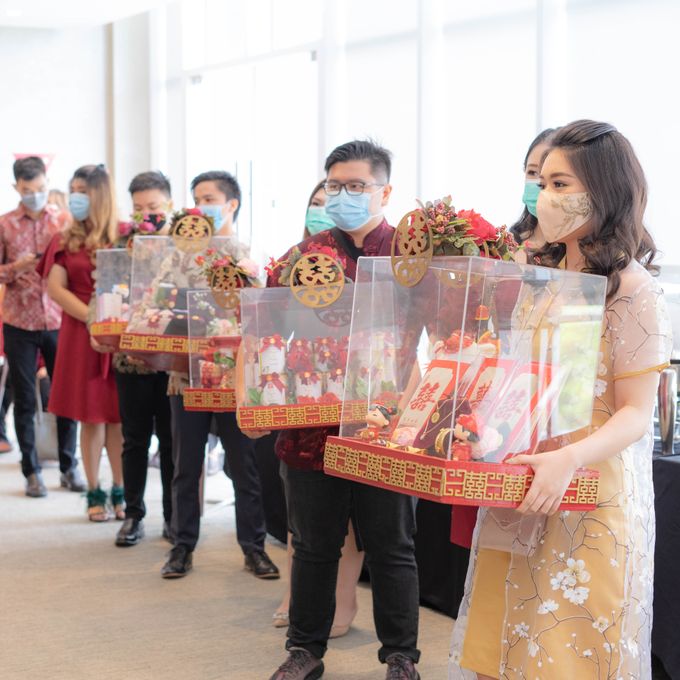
x=666, y=629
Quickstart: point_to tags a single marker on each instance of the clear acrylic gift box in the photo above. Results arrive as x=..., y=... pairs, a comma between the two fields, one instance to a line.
x=112, y=290
x=294, y=359
x=164, y=271
x=214, y=338
x=480, y=360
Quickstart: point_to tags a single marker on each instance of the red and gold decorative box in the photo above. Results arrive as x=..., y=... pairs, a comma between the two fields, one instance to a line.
x=294, y=358
x=478, y=361
x=112, y=273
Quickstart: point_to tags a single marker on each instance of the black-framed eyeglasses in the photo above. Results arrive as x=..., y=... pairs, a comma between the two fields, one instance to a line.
x=352, y=188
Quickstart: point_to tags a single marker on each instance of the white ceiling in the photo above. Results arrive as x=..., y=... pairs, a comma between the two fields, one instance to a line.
x=67, y=13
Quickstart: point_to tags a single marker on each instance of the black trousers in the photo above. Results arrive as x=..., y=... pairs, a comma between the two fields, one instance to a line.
x=319, y=509
x=189, y=435
x=273, y=496
x=21, y=349
x=144, y=407
x=4, y=407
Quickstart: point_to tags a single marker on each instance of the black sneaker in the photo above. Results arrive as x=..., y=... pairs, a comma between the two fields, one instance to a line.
x=180, y=562
x=300, y=665
x=35, y=487
x=400, y=667
x=262, y=567
x=131, y=533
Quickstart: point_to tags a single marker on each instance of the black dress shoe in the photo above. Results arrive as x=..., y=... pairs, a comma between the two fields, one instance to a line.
x=259, y=563
x=300, y=665
x=180, y=562
x=73, y=481
x=401, y=667
x=167, y=534
x=131, y=533
x=35, y=487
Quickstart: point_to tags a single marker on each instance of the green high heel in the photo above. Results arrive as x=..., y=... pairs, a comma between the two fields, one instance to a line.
x=118, y=502
x=96, y=506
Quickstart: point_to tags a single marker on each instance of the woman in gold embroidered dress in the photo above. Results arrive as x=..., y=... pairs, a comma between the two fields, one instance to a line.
x=577, y=603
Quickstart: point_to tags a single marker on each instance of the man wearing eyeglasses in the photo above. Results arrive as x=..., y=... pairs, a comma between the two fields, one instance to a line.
x=319, y=506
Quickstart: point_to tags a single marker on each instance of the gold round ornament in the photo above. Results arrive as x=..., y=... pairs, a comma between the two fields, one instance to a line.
x=317, y=280
x=412, y=249
x=225, y=282
x=192, y=233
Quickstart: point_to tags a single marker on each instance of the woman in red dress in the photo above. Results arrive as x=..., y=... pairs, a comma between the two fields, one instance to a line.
x=83, y=386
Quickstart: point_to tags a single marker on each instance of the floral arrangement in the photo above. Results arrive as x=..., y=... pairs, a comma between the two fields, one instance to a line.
x=179, y=214
x=286, y=264
x=247, y=271
x=140, y=224
x=466, y=232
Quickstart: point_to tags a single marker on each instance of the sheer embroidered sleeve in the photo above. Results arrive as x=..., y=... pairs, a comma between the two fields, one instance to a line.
x=638, y=327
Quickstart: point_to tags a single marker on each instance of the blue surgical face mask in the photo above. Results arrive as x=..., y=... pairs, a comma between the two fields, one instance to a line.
x=214, y=211
x=35, y=202
x=530, y=196
x=349, y=213
x=79, y=205
x=317, y=220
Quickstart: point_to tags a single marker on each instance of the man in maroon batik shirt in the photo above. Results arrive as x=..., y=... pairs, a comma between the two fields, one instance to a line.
x=319, y=505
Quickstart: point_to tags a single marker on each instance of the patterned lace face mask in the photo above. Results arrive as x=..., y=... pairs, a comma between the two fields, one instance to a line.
x=561, y=214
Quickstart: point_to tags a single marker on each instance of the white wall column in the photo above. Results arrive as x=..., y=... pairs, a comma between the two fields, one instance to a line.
x=552, y=35
x=131, y=108
x=431, y=109
x=175, y=107
x=333, y=105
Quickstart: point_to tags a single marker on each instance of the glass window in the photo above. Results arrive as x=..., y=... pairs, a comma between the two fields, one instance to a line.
x=382, y=87
x=621, y=71
x=296, y=22
x=369, y=20
x=491, y=114
x=458, y=11
x=259, y=122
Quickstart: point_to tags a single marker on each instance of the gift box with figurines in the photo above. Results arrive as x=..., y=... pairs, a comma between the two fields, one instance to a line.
x=112, y=302
x=164, y=270
x=294, y=350
x=491, y=359
x=213, y=346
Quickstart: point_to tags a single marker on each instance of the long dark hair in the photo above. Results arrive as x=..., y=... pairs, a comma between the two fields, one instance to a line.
x=604, y=160
x=526, y=224
x=319, y=186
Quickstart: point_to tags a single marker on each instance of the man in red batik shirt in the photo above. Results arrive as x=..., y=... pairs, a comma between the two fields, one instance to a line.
x=31, y=320
x=319, y=505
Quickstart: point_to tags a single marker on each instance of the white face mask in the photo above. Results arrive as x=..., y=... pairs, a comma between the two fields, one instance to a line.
x=560, y=215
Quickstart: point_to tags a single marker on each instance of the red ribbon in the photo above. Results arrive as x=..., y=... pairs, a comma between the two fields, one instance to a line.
x=309, y=377
x=275, y=379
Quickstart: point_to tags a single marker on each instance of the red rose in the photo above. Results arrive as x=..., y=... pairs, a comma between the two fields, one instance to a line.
x=478, y=227
x=193, y=211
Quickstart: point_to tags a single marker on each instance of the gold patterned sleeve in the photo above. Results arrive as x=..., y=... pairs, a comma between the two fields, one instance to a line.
x=639, y=328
